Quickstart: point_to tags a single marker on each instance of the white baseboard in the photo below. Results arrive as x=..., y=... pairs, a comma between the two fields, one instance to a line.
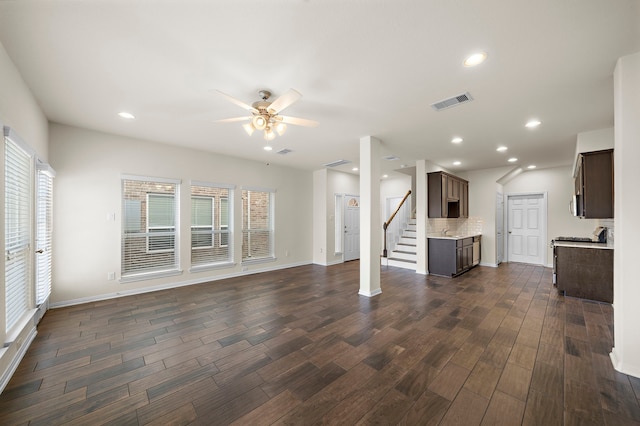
x=490, y=265
x=15, y=362
x=150, y=289
x=631, y=370
x=370, y=293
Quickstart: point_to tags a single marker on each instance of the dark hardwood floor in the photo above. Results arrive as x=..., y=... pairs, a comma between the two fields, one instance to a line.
x=299, y=346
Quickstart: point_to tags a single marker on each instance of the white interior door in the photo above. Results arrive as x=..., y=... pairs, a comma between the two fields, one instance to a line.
x=499, y=227
x=526, y=226
x=351, y=227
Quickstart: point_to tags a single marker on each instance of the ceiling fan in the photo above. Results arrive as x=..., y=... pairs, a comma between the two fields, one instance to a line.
x=265, y=114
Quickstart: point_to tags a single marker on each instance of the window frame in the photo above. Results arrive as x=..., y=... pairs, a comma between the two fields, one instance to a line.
x=203, y=227
x=270, y=229
x=214, y=262
x=150, y=270
x=167, y=229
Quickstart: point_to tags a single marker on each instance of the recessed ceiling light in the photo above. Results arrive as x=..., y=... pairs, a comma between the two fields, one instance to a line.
x=475, y=59
x=512, y=160
x=126, y=115
x=355, y=169
x=532, y=124
x=457, y=139
x=385, y=176
x=267, y=148
x=456, y=163
x=532, y=166
x=501, y=149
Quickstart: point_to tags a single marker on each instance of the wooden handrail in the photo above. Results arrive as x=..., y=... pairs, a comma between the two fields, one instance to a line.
x=388, y=222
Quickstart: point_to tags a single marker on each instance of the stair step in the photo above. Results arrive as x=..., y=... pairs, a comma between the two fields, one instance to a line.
x=398, y=263
x=403, y=255
x=402, y=260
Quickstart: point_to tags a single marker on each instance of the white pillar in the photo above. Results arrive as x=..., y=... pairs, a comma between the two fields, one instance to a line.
x=626, y=291
x=370, y=222
x=421, y=217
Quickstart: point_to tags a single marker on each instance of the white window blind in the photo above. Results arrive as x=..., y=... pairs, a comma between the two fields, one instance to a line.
x=257, y=224
x=18, y=219
x=149, y=232
x=210, y=230
x=44, y=226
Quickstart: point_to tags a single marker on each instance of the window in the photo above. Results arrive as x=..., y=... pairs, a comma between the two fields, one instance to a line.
x=210, y=231
x=18, y=193
x=257, y=224
x=44, y=226
x=161, y=223
x=149, y=235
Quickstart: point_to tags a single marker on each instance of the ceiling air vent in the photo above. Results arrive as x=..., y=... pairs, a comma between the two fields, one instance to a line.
x=456, y=100
x=284, y=151
x=337, y=163
x=391, y=158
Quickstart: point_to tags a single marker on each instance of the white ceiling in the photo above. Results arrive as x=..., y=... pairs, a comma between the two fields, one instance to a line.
x=363, y=67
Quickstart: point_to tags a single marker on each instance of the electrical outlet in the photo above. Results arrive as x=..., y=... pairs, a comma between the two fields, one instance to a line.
x=286, y=253
x=320, y=249
x=111, y=276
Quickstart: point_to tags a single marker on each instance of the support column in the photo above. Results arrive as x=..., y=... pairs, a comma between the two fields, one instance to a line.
x=370, y=222
x=626, y=291
x=421, y=217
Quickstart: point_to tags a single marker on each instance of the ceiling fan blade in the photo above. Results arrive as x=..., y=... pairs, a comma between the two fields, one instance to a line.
x=237, y=102
x=284, y=100
x=233, y=120
x=299, y=121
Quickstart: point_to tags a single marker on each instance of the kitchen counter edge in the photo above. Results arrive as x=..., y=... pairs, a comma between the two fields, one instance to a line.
x=607, y=246
x=453, y=237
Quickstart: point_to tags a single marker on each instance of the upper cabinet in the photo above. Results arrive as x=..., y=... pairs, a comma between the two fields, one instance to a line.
x=448, y=195
x=594, y=185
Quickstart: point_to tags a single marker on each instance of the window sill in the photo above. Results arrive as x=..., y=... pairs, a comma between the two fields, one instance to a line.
x=212, y=266
x=260, y=260
x=149, y=276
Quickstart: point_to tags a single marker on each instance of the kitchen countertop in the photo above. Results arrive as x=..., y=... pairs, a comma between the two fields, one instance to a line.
x=607, y=246
x=452, y=237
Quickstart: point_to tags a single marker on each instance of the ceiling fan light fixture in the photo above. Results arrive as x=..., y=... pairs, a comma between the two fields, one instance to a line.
x=269, y=134
x=281, y=128
x=259, y=122
x=248, y=127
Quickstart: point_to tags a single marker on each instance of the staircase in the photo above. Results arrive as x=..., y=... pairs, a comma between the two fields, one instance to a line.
x=404, y=255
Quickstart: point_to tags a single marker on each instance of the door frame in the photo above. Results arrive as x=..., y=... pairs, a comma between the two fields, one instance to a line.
x=544, y=221
x=342, y=209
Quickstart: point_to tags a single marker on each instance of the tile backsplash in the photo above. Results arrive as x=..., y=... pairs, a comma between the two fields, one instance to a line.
x=459, y=226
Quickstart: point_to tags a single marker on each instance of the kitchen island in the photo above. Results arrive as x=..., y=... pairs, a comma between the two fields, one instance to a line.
x=452, y=255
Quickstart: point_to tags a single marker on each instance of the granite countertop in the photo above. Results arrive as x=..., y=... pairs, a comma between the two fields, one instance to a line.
x=607, y=246
x=438, y=235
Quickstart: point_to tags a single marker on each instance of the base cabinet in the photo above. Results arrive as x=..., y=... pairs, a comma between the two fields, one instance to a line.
x=450, y=257
x=586, y=273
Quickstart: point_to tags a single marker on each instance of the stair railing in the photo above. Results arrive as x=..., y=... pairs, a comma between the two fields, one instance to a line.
x=386, y=224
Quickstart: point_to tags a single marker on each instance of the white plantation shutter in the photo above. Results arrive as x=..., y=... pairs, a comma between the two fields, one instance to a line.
x=149, y=227
x=18, y=219
x=257, y=224
x=44, y=226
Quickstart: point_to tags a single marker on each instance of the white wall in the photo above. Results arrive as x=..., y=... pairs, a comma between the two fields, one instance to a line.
x=557, y=182
x=595, y=140
x=626, y=291
x=19, y=110
x=482, y=204
x=320, y=211
x=89, y=166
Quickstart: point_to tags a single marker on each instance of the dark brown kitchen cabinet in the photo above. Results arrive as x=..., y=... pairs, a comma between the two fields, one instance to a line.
x=586, y=273
x=594, y=185
x=448, y=195
x=450, y=257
